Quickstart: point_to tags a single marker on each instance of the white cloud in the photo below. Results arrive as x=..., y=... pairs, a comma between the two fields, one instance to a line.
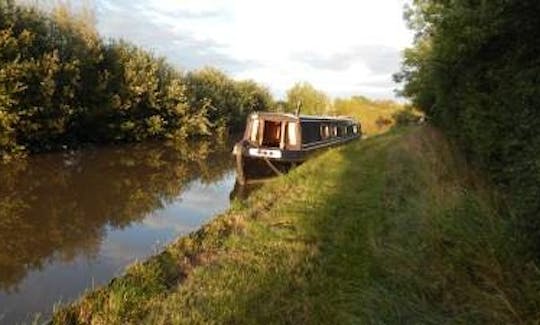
x=340, y=46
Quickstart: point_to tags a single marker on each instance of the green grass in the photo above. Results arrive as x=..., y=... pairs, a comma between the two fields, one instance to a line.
x=392, y=229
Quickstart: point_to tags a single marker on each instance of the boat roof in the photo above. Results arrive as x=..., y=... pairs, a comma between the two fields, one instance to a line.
x=301, y=117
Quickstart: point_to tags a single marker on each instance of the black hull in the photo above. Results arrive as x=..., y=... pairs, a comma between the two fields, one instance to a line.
x=273, y=143
x=251, y=170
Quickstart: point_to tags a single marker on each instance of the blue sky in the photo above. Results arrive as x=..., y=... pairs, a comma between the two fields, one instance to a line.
x=343, y=47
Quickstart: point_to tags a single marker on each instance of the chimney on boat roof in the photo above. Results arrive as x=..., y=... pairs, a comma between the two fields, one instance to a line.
x=298, y=108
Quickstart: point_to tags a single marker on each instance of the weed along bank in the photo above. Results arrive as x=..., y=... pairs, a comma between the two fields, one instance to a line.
x=389, y=230
x=275, y=142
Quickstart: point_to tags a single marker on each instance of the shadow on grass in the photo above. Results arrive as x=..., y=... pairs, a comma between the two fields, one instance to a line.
x=393, y=229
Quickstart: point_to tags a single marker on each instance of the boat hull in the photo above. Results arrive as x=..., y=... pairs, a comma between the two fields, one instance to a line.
x=255, y=164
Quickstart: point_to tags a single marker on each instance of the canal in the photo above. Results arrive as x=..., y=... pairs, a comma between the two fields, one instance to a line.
x=73, y=221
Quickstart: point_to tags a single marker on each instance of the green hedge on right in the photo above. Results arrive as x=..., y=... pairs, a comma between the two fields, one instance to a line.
x=475, y=71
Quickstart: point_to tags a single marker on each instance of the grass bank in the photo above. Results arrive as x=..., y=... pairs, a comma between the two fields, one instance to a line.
x=392, y=229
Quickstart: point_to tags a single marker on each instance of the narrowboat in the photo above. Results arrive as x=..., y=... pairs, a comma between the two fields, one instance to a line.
x=275, y=142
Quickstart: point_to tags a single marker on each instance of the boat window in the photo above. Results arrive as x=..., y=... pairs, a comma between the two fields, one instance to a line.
x=334, y=131
x=271, y=134
x=311, y=132
x=254, y=130
x=355, y=129
x=341, y=131
x=325, y=131
x=291, y=132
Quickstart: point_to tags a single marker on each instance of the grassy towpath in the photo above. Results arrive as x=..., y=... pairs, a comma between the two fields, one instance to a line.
x=392, y=229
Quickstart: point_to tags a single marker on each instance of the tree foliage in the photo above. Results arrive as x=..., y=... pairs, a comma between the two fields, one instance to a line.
x=228, y=101
x=375, y=116
x=313, y=101
x=62, y=85
x=474, y=70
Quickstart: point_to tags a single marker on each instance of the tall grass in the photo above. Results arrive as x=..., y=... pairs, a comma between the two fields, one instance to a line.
x=393, y=229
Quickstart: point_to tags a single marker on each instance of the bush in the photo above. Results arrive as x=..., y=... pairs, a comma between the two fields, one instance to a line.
x=406, y=117
x=474, y=72
x=62, y=85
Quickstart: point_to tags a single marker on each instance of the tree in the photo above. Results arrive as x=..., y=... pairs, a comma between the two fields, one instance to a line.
x=62, y=85
x=313, y=101
x=474, y=71
x=228, y=101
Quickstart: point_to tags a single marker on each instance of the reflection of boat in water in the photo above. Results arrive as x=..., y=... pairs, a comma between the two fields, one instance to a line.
x=275, y=142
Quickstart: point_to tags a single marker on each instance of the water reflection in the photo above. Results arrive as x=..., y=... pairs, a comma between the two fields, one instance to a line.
x=242, y=192
x=73, y=212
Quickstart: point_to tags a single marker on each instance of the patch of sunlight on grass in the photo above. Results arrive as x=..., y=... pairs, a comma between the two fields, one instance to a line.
x=392, y=229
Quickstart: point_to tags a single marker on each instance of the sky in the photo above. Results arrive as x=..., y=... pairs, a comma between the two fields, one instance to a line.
x=343, y=47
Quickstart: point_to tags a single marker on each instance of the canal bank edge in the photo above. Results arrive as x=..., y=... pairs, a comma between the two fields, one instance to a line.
x=160, y=273
x=391, y=229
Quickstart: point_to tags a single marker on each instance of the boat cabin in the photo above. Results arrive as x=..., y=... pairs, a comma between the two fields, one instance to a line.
x=290, y=132
x=288, y=138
